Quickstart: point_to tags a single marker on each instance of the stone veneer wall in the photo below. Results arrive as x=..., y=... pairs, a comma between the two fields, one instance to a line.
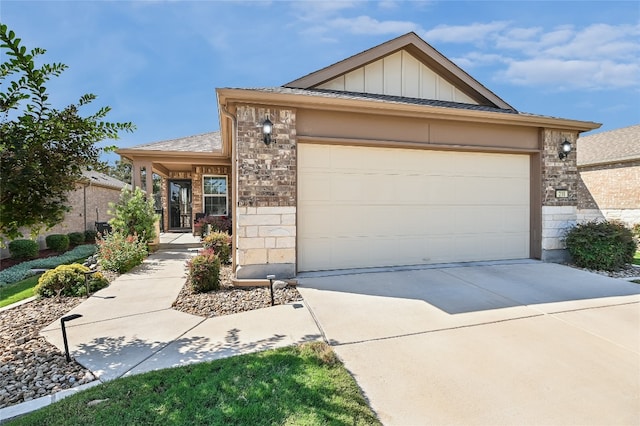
x=265, y=228
x=558, y=214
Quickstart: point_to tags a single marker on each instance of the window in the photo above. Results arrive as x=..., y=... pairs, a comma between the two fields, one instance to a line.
x=214, y=193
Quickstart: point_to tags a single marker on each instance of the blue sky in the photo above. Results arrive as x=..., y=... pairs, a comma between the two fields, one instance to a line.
x=157, y=63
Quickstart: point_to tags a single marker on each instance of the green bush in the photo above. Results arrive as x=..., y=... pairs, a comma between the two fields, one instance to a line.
x=601, y=245
x=76, y=238
x=220, y=243
x=23, y=270
x=134, y=215
x=636, y=231
x=69, y=280
x=23, y=249
x=57, y=242
x=204, y=271
x=120, y=253
x=90, y=236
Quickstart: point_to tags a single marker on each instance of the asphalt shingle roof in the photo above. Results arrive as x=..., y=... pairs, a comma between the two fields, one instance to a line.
x=339, y=94
x=206, y=142
x=97, y=178
x=612, y=146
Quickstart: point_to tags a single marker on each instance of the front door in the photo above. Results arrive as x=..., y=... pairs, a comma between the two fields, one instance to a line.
x=180, y=205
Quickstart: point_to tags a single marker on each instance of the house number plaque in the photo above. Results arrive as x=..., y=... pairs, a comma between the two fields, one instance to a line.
x=562, y=193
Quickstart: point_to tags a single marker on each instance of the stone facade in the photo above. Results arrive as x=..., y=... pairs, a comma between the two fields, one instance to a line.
x=265, y=229
x=558, y=213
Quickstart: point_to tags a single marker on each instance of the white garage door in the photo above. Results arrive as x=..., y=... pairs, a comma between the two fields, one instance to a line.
x=363, y=207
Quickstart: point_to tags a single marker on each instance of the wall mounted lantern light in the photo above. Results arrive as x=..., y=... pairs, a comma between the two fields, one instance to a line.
x=267, y=130
x=565, y=149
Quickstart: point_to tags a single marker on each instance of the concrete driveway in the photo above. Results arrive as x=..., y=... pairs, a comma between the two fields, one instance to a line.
x=515, y=343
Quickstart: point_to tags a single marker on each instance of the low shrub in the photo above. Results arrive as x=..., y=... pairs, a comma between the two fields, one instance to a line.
x=204, y=271
x=210, y=224
x=76, y=238
x=23, y=249
x=69, y=280
x=636, y=231
x=90, y=236
x=57, y=242
x=120, y=253
x=23, y=270
x=604, y=245
x=220, y=242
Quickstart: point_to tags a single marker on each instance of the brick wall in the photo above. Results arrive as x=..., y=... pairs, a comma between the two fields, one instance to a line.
x=97, y=207
x=611, y=186
x=265, y=228
x=558, y=213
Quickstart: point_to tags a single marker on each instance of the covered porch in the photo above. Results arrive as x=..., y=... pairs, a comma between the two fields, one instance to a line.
x=192, y=175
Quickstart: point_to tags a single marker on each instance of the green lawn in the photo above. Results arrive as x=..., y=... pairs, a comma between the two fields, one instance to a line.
x=303, y=385
x=636, y=258
x=12, y=293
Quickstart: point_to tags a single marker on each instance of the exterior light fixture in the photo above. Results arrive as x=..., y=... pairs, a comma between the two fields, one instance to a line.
x=267, y=130
x=565, y=149
x=63, y=320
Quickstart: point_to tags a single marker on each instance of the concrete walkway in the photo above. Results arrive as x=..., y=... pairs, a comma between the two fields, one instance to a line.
x=525, y=343
x=130, y=327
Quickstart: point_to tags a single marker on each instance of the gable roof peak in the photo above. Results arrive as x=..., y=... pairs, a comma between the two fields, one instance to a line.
x=420, y=50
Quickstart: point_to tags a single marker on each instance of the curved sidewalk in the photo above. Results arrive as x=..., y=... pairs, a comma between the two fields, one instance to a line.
x=130, y=327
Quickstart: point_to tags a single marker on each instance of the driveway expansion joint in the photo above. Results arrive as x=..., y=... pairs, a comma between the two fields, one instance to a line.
x=419, y=333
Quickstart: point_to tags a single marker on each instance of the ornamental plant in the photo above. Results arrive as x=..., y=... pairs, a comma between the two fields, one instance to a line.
x=119, y=252
x=69, y=280
x=23, y=249
x=57, y=242
x=204, y=271
x=133, y=214
x=76, y=238
x=214, y=224
x=220, y=242
x=603, y=245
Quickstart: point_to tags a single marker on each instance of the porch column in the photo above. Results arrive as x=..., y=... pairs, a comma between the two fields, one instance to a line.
x=148, y=166
x=136, y=172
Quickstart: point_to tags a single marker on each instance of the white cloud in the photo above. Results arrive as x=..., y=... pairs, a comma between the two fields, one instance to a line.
x=368, y=25
x=472, y=33
x=571, y=74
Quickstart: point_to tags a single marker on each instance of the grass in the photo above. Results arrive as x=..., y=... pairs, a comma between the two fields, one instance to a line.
x=636, y=258
x=300, y=385
x=12, y=293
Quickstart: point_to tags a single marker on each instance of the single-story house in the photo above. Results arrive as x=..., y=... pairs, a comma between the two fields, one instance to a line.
x=609, y=172
x=89, y=203
x=394, y=156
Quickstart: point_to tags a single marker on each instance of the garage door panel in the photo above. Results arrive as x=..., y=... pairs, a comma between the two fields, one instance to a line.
x=362, y=207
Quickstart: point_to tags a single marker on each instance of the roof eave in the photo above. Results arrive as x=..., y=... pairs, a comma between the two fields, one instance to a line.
x=230, y=96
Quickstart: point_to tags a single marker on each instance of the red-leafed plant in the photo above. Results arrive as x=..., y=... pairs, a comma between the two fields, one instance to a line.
x=204, y=271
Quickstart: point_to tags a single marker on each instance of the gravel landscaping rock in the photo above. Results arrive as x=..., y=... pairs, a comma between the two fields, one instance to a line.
x=231, y=300
x=30, y=367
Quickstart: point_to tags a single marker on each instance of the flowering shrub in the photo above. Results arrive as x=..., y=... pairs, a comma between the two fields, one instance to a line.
x=68, y=280
x=220, y=242
x=204, y=271
x=119, y=252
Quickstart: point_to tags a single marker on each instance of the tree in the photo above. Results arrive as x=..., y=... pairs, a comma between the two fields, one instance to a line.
x=43, y=150
x=134, y=215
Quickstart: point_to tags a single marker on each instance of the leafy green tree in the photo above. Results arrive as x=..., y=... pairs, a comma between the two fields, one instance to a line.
x=134, y=215
x=43, y=150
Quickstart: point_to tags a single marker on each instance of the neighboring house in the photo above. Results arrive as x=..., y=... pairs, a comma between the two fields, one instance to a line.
x=89, y=204
x=609, y=169
x=394, y=156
